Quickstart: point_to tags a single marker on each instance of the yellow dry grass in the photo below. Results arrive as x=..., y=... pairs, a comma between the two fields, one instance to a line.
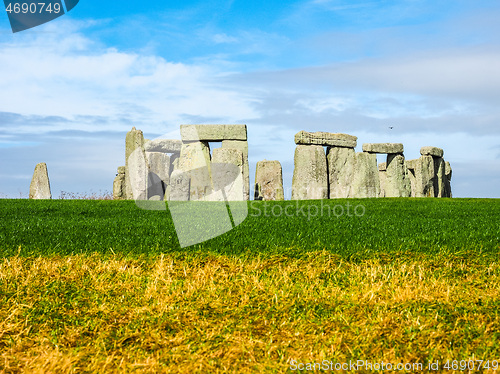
x=211, y=314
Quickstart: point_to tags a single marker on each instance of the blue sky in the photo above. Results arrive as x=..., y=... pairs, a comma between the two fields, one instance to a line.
x=73, y=87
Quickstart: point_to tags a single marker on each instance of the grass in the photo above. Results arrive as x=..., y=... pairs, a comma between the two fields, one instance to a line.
x=101, y=286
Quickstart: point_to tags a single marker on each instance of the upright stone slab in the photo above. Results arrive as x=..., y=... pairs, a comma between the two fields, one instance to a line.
x=366, y=181
x=241, y=145
x=178, y=189
x=382, y=174
x=269, y=181
x=385, y=148
x=135, y=176
x=40, y=185
x=397, y=182
x=158, y=174
x=310, y=179
x=440, y=181
x=227, y=175
x=213, y=133
x=411, y=166
x=341, y=164
x=448, y=179
x=194, y=160
x=325, y=139
x=425, y=176
x=119, y=192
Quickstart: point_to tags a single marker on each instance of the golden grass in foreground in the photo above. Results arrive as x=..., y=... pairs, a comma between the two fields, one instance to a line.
x=208, y=313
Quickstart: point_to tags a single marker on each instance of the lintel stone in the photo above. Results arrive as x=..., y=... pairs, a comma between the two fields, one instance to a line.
x=431, y=151
x=386, y=148
x=325, y=139
x=213, y=133
x=163, y=145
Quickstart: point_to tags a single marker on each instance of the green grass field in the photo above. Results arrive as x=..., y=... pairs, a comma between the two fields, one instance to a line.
x=103, y=286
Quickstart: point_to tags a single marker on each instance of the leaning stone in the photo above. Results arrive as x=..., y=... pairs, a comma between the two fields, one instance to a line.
x=241, y=145
x=386, y=148
x=366, y=182
x=213, y=133
x=448, y=170
x=341, y=163
x=40, y=185
x=447, y=179
x=163, y=145
x=397, y=182
x=119, y=184
x=158, y=174
x=194, y=160
x=269, y=181
x=227, y=175
x=178, y=189
x=310, y=179
x=431, y=151
x=325, y=139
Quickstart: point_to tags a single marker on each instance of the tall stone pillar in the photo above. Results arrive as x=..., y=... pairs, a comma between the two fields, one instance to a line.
x=227, y=175
x=310, y=179
x=269, y=181
x=135, y=166
x=40, y=185
x=194, y=161
x=366, y=181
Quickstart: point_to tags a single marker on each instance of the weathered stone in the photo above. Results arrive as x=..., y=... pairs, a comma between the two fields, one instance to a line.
x=194, y=160
x=178, y=189
x=310, y=179
x=136, y=175
x=119, y=184
x=213, y=133
x=382, y=176
x=386, y=148
x=135, y=140
x=163, y=145
x=431, y=151
x=425, y=177
x=227, y=174
x=366, y=182
x=397, y=183
x=448, y=179
x=440, y=180
x=325, y=139
x=411, y=165
x=341, y=163
x=158, y=174
x=241, y=145
x=382, y=166
x=40, y=185
x=269, y=181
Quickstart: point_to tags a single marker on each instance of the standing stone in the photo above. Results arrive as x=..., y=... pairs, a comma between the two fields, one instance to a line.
x=40, y=185
x=440, y=180
x=448, y=179
x=341, y=163
x=194, y=160
x=397, y=182
x=241, y=145
x=411, y=165
x=119, y=184
x=158, y=174
x=366, y=181
x=135, y=177
x=227, y=175
x=310, y=179
x=269, y=181
x=178, y=189
x=382, y=174
x=425, y=177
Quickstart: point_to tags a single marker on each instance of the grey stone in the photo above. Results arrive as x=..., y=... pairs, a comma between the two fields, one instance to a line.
x=382, y=166
x=119, y=184
x=178, y=189
x=440, y=180
x=397, y=183
x=325, y=139
x=241, y=145
x=448, y=170
x=366, y=182
x=431, y=151
x=448, y=179
x=382, y=175
x=213, y=133
x=40, y=185
x=310, y=179
x=158, y=174
x=341, y=164
x=269, y=181
x=227, y=175
x=425, y=177
x=386, y=148
x=134, y=140
x=194, y=160
x=411, y=166
x=163, y=145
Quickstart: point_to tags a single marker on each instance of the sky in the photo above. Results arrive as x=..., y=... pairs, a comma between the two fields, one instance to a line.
x=73, y=87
